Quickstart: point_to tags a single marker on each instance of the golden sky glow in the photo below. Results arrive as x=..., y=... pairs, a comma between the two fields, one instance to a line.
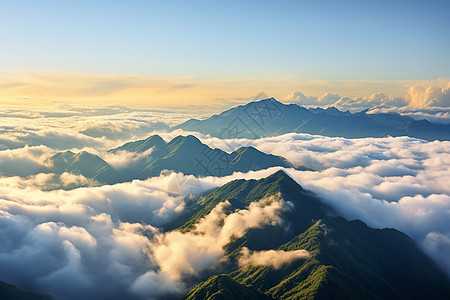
x=43, y=90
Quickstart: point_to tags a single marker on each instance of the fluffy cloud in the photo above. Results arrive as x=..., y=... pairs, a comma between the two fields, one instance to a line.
x=69, y=127
x=21, y=161
x=190, y=253
x=47, y=182
x=271, y=258
x=432, y=114
x=345, y=103
x=122, y=159
x=86, y=242
x=386, y=182
x=420, y=96
x=417, y=101
x=179, y=254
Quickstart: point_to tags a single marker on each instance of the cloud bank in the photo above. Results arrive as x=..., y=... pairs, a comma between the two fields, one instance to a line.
x=417, y=102
x=397, y=182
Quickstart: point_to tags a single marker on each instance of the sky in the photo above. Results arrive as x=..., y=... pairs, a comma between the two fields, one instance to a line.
x=176, y=53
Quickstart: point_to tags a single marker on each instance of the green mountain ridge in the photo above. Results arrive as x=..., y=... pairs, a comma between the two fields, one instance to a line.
x=188, y=155
x=222, y=287
x=185, y=154
x=348, y=259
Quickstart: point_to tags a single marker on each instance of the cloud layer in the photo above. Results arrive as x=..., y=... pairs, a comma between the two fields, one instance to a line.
x=386, y=182
x=417, y=102
x=105, y=240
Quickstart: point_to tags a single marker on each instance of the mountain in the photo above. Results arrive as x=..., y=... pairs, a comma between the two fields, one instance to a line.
x=222, y=287
x=182, y=154
x=348, y=260
x=189, y=155
x=11, y=292
x=84, y=163
x=270, y=118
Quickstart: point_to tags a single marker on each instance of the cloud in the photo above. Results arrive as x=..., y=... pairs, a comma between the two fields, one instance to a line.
x=271, y=258
x=432, y=114
x=47, y=89
x=103, y=241
x=109, y=235
x=86, y=242
x=375, y=100
x=420, y=96
x=301, y=99
x=122, y=159
x=417, y=100
x=71, y=127
x=397, y=182
x=179, y=254
x=20, y=161
x=48, y=181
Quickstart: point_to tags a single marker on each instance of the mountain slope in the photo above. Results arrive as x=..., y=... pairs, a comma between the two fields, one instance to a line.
x=189, y=155
x=84, y=163
x=220, y=287
x=185, y=154
x=270, y=118
x=348, y=260
x=11, y=292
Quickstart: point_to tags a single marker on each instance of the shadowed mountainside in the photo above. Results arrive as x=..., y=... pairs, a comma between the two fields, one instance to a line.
x=348, y=260
x=270, y=118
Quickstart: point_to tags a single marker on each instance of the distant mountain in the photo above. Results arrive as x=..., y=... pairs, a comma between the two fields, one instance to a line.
x=11, y=292
x=348, y=259
x=84, y=163
x=182, y=154
x=188, y=155
x=270, y=118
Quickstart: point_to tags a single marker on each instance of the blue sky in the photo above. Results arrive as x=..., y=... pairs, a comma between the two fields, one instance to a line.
x=305, y=40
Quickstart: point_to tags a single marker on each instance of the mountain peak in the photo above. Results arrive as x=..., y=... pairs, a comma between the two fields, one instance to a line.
x=181, y=139
x=271, y=100
x=192, y=138
x=155, y=138
x=281, y=175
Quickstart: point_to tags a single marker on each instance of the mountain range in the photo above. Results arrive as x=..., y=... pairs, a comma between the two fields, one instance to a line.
x=182, y=154
x=348, y=259
x=11, y=292
x=270, y=118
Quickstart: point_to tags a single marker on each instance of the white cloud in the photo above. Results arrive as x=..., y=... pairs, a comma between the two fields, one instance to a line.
x=271, y=258
x=420, y=96
x=179, y=253
x=420, y=102
x=386, y=182
x=122, y=159
x=81, y=128
x=21, y=161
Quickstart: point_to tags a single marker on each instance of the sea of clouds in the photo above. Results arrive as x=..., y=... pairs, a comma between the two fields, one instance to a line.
x=106, y=242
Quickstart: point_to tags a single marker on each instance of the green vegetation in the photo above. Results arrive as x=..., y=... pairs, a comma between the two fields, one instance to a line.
x=222, y=287
x=184, y=154
x=348, y=259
